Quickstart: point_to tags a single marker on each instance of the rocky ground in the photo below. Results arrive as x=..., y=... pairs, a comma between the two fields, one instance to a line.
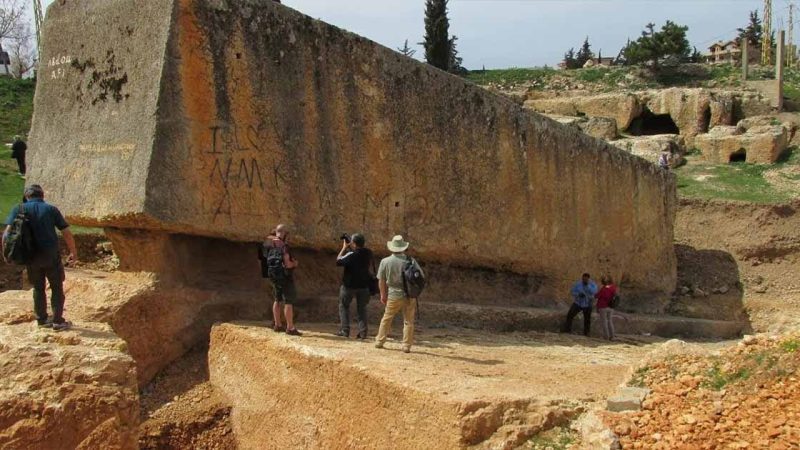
x=180, y=409
x=747, y=396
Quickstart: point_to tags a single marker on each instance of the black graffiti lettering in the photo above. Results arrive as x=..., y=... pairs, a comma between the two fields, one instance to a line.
x=214, y=147
x=217, y=170
x=250, y=176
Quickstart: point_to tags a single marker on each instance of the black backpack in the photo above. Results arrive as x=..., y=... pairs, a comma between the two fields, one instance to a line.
x=19, y=244
x=614, y=303
x=413, y=280
x=276, y=270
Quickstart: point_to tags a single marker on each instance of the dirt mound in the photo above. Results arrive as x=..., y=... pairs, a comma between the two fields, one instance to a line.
x=180, y=409
x=747, y=396
x=734, y=255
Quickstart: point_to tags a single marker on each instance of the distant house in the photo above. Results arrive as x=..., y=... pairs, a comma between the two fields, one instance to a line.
x=730, y=52
x=5, y=63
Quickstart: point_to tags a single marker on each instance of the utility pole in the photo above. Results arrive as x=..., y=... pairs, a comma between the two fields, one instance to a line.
x=790, y=48
x=779, y=69
x=38, y=18
x=766, y=39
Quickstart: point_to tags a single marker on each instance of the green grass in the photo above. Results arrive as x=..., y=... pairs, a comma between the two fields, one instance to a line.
x=555, y=439
x=11, y=184
x=735, y=181
x=637, y=380
x=790, y=346
x=16, y=101
x=716, y=378
x=511, y=76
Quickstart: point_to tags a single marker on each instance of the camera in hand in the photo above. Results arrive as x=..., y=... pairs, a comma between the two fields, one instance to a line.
x=345, y=237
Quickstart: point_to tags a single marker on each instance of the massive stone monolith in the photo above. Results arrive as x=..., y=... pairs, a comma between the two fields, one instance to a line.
x=221, y=118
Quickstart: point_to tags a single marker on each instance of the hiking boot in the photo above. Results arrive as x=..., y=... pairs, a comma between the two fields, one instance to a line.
x=62, y=326
x=379, y=345
x=342, y=333
x=278, y=328
x=361, y=336
x=407, y=349
x=294, y=332
x=46, y=324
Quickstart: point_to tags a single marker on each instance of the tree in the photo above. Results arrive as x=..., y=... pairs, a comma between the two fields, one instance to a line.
x=695, y=57
x=22, y=53
x=13, y=26
x=455, y=62
x=437, y=42
x=584, y=54
x=569, y=59
x=406, y=50
x=654, y=46
x=754, y=31
x=12, y=16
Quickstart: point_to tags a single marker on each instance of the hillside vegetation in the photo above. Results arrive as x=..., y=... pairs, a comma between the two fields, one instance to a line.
x=16, y=101
x=608, y=79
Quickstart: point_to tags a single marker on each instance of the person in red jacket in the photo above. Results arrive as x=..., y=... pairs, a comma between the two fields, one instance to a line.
x=604, y=309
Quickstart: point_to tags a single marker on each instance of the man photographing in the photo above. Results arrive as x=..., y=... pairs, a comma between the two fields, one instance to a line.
x=356, y=260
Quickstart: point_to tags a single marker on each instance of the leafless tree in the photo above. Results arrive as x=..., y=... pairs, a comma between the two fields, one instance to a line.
x=22, y=53
x=15, y=36
x=12, y=18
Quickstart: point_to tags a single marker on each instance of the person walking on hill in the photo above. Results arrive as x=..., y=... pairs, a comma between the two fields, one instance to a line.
x=278, y=265
x=582, y=294
x=604, y=298
x=393, y=294
x=356, y=260
x=18, y=149
x=45, y=263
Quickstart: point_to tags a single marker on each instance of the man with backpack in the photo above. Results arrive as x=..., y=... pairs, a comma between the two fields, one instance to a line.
x=278, y=266
x=356, y=260
x=401, y=280
x=43, y=261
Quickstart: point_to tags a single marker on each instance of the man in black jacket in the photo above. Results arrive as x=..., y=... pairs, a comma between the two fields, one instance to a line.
x=18, y=149
x=356, y=260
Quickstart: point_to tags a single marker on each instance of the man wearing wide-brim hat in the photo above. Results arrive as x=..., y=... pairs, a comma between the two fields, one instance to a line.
x=390, y=281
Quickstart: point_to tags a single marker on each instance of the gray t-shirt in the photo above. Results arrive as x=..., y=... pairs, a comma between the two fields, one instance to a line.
x=391, y=270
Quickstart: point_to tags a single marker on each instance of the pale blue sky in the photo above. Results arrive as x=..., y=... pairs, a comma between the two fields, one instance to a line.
x=524, y=33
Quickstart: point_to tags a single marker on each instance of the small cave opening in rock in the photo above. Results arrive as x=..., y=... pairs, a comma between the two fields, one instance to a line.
x=706, y=120
x=738, y=156
x=649, y=124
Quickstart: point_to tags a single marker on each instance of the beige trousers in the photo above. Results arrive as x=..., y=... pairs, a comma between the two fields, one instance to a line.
x=409, y=308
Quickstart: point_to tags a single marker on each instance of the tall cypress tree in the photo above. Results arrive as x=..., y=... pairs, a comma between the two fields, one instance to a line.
x=437, y=43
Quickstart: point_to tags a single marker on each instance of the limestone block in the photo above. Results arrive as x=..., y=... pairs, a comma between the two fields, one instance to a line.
x=722, y=109
x=763, y=144
x=751, y=104
x=651, y=147
x=600, y=127
x=355, y=395
x=224, y=118
x=72, y=389
x=623, y=108
x=594, y=434
x=755, y=121
x=627, y=399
